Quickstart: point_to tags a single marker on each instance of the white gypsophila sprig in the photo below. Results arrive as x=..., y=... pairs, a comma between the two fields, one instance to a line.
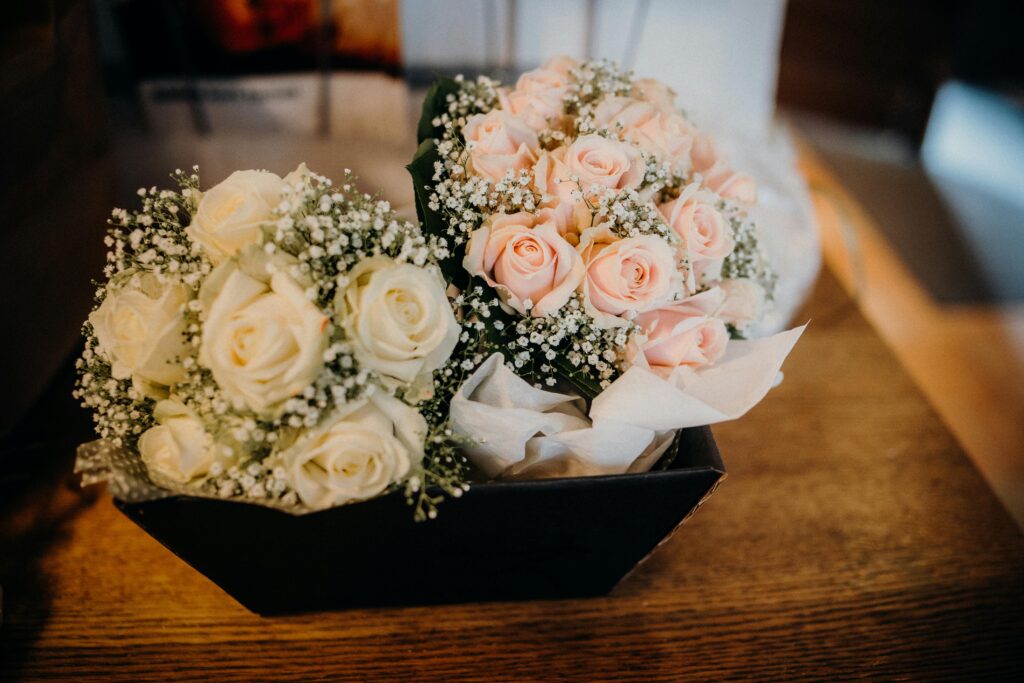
x=593, y=81
x=747, y=259
x=151, y=241
x=628, y=214
x=119, y=413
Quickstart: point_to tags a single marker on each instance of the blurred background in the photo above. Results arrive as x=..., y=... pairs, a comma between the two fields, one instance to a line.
x=899, y=123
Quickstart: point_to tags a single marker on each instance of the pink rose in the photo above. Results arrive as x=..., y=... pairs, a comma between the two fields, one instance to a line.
x=684, y=333
x=744, y=301
x=625, y=276
x=537, y=98
x=704, y=232
x=499, y=142
x=718, y=175
x=703, y=153
x=606, y=163
x=666, y=136
x=733, y=185
x=655, y=92
x=561, y=195
x=561, y=64
x=524, y=258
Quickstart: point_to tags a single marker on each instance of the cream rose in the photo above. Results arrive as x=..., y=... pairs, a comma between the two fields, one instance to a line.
x=357, y=453
x=525, y=260
x=666, y=136
x=398, y=318
x=684, y=333
x=603, y=162
x=499, y=142
x=626, y=276
x=140, y=328
x=537, y=98
x=232, y=215
x=178, y=447
x=263, y=340
x=744, y=302
x=702, y=229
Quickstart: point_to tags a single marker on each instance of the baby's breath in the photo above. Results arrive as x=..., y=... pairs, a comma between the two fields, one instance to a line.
x=747, y=259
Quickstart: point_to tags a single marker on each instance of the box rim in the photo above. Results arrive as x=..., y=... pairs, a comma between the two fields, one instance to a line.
x=714, y=456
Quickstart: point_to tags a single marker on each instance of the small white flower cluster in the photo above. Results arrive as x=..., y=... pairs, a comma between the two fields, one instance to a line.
x=463, y=198
x=550, y=347
x=244, y=331
x=747, y=259
x=147, y=240
x=592, y=82
x=628, y=214
x=331, y=231
x=119, y=412
x=597, y=185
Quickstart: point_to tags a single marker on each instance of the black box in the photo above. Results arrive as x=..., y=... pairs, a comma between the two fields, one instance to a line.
x=554, y=538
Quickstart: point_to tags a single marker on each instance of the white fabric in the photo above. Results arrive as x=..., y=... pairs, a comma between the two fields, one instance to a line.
x=522, y=432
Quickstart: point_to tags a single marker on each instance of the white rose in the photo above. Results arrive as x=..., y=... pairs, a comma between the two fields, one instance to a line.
x=231, y=215
x=398, y=318
x=178, y=448
x=357, y=453
x=263, y=340
x=140, y=329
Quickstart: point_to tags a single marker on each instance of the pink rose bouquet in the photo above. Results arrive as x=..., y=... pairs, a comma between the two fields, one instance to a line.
x=593, y=231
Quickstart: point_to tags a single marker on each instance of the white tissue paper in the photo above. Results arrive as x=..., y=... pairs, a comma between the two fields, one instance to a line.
x=522, y=432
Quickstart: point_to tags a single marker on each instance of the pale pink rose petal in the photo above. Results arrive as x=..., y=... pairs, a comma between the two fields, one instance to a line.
x=685, y=333
x=499, y=142
x=552, y=180
x=703, y=230
x=667, y=136
x=603, y=162
x=717, y=173
x=524, y=259
x=703, y=153
x=744, y=301
x=537, y=98
x=739, y=186
x=561, y=64
x=655, y=92
x=627, y=276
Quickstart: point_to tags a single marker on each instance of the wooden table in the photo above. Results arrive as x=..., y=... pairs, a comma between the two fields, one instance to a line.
x=851, y=538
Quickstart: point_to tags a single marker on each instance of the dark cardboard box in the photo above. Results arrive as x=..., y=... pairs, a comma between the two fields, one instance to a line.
x=556, y=538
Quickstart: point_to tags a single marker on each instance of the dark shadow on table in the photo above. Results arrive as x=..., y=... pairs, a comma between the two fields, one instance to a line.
x=39, y=496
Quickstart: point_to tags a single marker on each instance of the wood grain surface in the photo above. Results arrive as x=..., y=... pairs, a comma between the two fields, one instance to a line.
x=852, y=538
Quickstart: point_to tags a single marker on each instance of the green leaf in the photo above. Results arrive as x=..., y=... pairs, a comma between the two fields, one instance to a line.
x=588, y=387
x=421, y=168
x=434, y=104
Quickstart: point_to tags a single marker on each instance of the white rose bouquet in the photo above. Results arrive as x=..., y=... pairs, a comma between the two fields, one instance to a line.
x=272, y=340
x=603, y=247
